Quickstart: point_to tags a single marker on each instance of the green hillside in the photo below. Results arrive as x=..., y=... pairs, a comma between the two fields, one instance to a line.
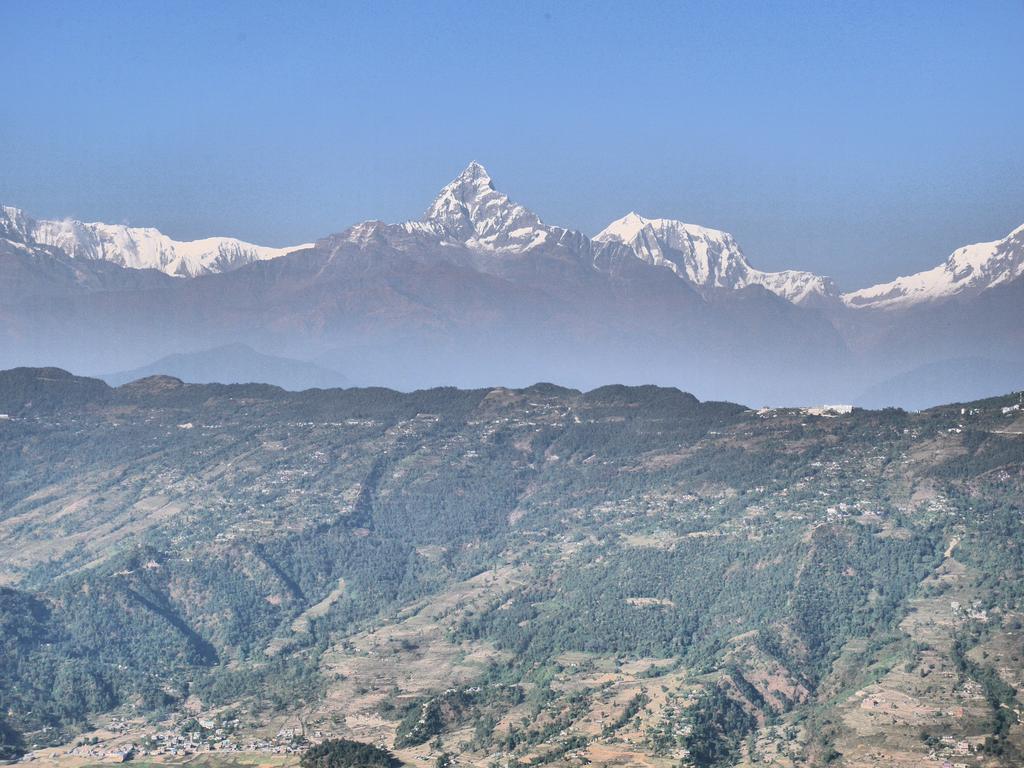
x=523, y=576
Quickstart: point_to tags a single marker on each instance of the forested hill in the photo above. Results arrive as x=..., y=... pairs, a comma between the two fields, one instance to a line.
x=541, y=574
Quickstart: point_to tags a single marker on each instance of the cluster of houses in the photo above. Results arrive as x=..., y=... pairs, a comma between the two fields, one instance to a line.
x=1005, y=410
x=839, y=409
x=120, y=753
x=207, y=735
x=974, y=611
x=828, y=410
x=951, y=749
x=212, y=737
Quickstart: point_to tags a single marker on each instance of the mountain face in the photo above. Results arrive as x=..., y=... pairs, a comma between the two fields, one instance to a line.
x=31, y=271
x=967, y=272
x=136, y=247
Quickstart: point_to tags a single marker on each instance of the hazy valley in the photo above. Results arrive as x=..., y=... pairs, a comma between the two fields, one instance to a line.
x=481, y=291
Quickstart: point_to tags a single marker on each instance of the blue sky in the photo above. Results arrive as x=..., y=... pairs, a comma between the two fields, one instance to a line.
x=856, y=139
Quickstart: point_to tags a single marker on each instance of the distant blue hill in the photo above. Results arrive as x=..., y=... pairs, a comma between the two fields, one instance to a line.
x=235, y=364
x=947, y=381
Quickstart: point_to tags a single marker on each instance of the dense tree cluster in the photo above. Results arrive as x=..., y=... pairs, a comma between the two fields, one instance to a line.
x=345, y=753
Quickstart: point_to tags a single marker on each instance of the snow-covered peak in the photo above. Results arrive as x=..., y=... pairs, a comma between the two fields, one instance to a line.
x=464, y=197
x=630, y=226
x=708, y=258
x=968, y=270
x=472, y=211
x=705, y=257
x=14, y=223
x=137, y=247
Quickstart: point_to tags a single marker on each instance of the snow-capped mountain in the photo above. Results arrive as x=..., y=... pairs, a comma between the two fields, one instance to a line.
x=136, y=247
x=708, y=258
x=968, y=271
x=472, y=213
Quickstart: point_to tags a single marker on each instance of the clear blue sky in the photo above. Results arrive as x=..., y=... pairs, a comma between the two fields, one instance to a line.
x=857, y=139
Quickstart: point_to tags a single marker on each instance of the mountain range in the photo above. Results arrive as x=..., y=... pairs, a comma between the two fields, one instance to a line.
x=136, y=247
x=482, y=291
